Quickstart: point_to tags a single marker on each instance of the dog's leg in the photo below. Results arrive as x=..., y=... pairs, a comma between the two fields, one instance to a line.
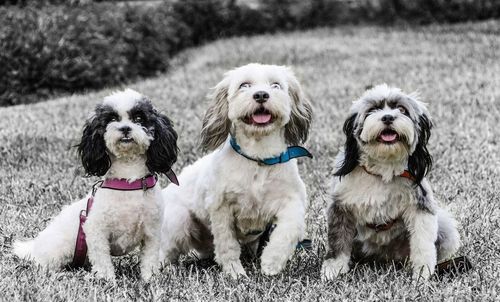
x=448, y=240
x=98, y=248
x=423, y=229
x=341, y=233
x=227, y=247
x=175, y=228
x=290, y=227
x=150, y=253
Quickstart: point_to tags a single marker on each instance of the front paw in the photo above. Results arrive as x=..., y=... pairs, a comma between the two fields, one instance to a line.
x=272, y=263
x=270, y=267
x=147, y=273
x=107, y=274
x=334, y=267
x=234, y=269
x=422, y=272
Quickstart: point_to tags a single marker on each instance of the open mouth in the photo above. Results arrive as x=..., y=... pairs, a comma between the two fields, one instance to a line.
x=388, y=136
x=261, y=117
x=126, y=140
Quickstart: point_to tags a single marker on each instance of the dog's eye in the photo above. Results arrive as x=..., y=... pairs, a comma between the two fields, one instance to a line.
x=276, y=86
x=245, y=85
x=112, y=119
x=402, y=110
x=137, y=119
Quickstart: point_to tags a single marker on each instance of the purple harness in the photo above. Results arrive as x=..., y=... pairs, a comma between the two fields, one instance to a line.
x=120, y=184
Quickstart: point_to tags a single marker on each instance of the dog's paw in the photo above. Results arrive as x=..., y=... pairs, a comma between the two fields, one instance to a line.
x=272, y=262
x=334, y=267
x=422, y=272
x=108, y=275
x=234, y=269
x=270, y=268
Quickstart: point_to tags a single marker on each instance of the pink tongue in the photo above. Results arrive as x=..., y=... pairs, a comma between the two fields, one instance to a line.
x=261, y=118
x=388, y=137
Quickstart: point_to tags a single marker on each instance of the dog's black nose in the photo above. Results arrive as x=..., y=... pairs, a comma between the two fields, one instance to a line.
x=125, y=129
x=388, y=119
x=261, y=97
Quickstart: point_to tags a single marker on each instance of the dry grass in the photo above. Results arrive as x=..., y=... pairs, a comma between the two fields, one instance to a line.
x=456, y=69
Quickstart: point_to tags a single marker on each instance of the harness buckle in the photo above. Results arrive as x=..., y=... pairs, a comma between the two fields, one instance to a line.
x=96, y=186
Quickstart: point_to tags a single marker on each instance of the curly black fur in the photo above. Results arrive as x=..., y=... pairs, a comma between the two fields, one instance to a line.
x=162, y=153
x=420, y=161
x=351, y=149
x=92, y=148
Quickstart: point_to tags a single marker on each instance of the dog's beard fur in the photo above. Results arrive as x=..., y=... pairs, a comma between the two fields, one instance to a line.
x=127, y=150
x=376, y=151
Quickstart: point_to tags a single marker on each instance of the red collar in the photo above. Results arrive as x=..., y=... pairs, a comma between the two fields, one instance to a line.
x=405, y=174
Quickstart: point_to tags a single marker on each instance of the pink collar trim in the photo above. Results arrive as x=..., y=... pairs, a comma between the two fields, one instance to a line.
x=123, y=184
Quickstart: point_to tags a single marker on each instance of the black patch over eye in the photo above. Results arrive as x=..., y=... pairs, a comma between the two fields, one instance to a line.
x=113, y=118
x=403, y=110
x=108, y=115
x=138, y=118
x=373, y=109
x=141, y=113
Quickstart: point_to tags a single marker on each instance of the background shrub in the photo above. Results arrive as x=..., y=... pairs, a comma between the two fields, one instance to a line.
x=46, y=49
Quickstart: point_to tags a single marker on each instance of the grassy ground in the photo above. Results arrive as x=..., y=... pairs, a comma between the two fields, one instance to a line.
x=456, y=69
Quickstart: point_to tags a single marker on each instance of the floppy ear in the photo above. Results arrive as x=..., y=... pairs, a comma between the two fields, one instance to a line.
x=297, y=129
x=162, y=152
x=351, y=149
x=92, y=149
x=216, y=123
x=420, y=161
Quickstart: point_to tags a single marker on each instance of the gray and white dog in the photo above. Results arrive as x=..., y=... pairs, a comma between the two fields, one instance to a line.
x=383, y=206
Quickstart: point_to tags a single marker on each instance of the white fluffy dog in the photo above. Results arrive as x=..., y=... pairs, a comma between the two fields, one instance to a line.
x=125, y=140
x=228, y=197
x=383, y=206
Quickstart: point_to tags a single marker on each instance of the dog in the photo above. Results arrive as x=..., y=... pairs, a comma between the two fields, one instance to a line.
x=228, y=197
x=126, y=140
x=383, y=207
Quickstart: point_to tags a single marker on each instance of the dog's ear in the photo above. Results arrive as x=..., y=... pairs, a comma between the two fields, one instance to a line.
x=297, y=129
x=162, y=152
x=92, y=148
x=351, y=148
x=216, y=123
x=420, y=161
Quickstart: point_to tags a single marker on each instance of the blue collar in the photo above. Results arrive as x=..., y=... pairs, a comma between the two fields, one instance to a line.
x=291, y=152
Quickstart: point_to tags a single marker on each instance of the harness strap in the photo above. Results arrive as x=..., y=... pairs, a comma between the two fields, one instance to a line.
x=80, y=254
x=382, y=226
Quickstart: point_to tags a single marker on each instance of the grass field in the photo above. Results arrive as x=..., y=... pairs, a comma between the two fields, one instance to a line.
x=457, y=70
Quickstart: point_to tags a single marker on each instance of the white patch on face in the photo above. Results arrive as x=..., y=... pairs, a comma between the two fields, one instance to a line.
x=244, y=82
x=137, y=140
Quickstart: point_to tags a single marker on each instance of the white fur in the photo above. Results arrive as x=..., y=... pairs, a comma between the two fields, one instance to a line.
x=385, y=196
x=119, y=221
x=231, y=195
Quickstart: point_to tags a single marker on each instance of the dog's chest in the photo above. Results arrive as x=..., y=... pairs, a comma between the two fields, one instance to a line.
x=126, y=215
x=373, y=201
x=253, y=202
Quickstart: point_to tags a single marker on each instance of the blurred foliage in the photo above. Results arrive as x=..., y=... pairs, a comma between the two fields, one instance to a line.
x=47, y=49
